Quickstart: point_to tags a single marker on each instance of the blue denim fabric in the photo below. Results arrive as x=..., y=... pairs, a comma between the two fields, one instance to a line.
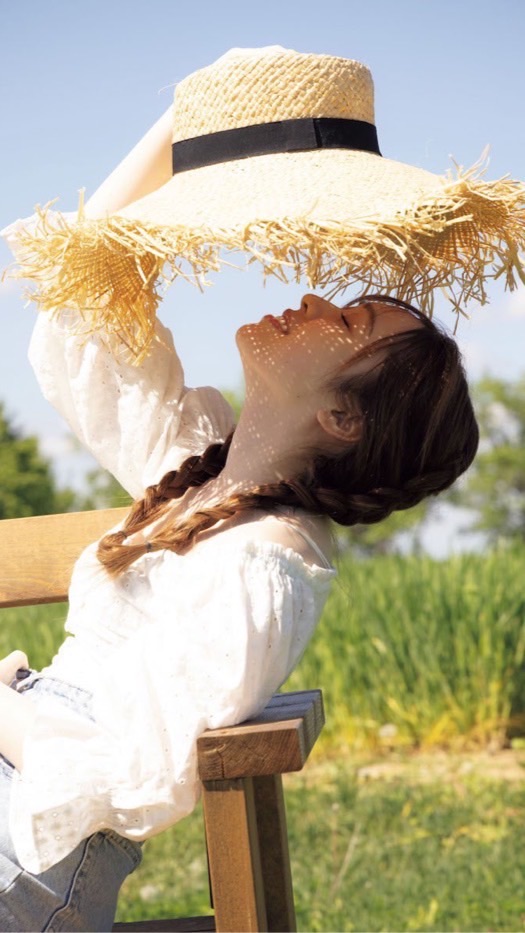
x=78, y=893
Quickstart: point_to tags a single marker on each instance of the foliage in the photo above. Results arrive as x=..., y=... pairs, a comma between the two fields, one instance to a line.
x=37, y=630
x=420, y=652
x=27, y=484
x=103, y=491
x=495, y=487
x=385, y=537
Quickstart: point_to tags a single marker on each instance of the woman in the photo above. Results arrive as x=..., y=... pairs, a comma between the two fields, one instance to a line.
x=194, y=611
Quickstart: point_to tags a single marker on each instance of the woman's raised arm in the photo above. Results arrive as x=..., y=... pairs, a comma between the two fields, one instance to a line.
x=137, y=421
x=144, y=169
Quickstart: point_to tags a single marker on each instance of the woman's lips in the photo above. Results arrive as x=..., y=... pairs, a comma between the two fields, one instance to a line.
x=280, y=323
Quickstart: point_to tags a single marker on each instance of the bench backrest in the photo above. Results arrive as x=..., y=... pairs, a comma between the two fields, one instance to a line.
x=37, y=554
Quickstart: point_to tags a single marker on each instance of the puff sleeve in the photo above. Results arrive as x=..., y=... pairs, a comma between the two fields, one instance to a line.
x=137, y=421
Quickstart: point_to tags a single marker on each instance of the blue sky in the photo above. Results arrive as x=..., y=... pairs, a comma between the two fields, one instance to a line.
x=83, y=80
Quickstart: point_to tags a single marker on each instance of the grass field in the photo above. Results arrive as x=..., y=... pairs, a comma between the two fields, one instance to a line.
x=422, y=844
x=385, y=835
x=411, y=651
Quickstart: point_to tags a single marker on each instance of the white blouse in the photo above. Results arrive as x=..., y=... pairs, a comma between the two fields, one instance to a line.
x=174, y=646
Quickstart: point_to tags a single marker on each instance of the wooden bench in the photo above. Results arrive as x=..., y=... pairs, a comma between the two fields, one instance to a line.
x=240, y=767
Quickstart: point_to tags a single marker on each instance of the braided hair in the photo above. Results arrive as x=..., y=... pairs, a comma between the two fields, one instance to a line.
x=419, y=433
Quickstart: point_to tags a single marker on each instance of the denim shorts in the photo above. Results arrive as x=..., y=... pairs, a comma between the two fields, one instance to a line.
x=78, y=893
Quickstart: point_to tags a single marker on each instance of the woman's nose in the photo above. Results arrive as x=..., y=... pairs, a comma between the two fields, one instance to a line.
x=314, y=306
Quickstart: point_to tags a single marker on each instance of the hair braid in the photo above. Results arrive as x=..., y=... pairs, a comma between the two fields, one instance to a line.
x=195, y=470
x=116, y=555
x=112, y=551
x=378, y=503
x=179, y=538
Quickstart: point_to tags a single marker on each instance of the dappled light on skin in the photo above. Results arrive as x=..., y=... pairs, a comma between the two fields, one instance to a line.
x=291, y=358
x=289, y=361
x=300, y=350
x=291, y=412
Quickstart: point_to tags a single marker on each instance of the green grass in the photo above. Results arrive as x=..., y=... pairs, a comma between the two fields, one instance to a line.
x=417, y=652
x=37, y=630
x=390, y=854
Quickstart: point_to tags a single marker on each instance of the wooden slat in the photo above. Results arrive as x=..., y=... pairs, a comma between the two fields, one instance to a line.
x=37, y=554
x=264, y=750
x=277, y=741
x=183, y=925
x=285, y=700
x=233, y=851
x=273, y=849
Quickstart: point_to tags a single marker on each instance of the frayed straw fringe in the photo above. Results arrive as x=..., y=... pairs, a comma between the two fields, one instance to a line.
x=110, y=269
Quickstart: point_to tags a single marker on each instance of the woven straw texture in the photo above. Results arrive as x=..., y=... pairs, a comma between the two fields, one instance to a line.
x=241, y=89
x=336, y=216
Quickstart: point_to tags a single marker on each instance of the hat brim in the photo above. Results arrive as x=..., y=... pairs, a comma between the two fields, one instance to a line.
x=335, y=216
x=337, y=186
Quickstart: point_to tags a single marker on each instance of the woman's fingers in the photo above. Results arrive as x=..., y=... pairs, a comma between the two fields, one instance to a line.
x=10, y=665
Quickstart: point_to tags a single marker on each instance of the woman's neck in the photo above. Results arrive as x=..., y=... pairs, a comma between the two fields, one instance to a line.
x=267, y=447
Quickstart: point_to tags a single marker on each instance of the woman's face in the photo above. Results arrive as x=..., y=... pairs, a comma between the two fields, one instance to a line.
x=299, y=352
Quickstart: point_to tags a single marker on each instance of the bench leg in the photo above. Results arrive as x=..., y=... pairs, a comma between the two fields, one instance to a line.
x=248, y=855
x=234, y=858
x=273, y=847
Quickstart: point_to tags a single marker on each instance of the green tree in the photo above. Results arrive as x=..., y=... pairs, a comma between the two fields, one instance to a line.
x=27, y=484
x=103, y=491
x=385, y=537
x=495, y=485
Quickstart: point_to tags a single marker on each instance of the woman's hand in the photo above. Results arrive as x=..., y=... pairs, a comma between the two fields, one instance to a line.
x=11, y=664
x=16, y=713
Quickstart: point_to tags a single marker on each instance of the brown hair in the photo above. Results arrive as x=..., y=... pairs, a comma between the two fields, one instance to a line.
x=419, y=433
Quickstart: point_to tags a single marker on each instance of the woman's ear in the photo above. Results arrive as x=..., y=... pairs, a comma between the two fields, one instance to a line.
x=342, y=425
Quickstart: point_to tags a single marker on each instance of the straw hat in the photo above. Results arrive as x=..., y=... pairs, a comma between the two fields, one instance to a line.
x=275, y=153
